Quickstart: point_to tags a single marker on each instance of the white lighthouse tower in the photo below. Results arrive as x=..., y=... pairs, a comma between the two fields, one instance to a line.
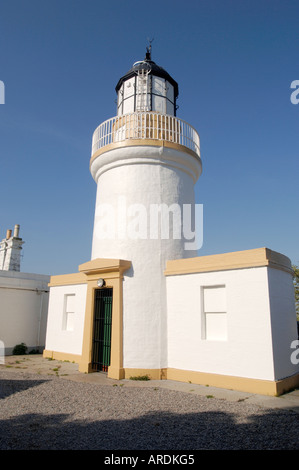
x=145, y=162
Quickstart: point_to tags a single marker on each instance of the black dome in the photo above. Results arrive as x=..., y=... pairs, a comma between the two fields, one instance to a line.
x=154, y=69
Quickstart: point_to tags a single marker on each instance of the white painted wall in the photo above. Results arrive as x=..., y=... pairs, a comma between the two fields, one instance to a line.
x=283, y=321
x=23, y=309
x=64, y=336
x=259, y=325
x=142, y=176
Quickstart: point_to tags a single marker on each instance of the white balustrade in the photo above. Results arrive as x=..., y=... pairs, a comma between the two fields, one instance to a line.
x=145, y=125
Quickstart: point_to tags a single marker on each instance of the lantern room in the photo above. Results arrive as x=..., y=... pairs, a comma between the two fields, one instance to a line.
x=146, y=87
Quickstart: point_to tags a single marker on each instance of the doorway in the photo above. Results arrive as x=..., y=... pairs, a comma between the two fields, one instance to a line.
x=101, y=342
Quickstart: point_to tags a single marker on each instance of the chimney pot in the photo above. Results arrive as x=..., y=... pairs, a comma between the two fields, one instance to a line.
x=16, y=231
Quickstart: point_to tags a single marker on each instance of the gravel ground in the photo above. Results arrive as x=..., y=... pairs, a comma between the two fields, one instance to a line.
x=42, y=412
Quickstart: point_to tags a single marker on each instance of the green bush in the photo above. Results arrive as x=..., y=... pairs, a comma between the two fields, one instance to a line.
x=19, y=349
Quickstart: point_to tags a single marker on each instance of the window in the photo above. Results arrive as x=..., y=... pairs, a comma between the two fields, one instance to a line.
x=69, y=312
x=214, y=313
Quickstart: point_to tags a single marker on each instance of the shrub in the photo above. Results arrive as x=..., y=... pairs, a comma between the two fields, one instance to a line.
x=19, y=349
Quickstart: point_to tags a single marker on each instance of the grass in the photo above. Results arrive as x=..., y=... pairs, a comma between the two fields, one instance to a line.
x=140, y=377
x=56, y=369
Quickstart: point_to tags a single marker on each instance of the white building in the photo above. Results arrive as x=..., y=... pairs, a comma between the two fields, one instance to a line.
x=146, y=303
x=23, y=299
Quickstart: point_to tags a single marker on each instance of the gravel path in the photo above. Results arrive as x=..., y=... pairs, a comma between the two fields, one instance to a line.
x=40, y=412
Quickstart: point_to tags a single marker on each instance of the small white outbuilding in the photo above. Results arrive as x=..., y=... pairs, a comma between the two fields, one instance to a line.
x=23, y=299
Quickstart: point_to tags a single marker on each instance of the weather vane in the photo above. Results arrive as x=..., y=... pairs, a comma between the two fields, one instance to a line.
x=149, y=49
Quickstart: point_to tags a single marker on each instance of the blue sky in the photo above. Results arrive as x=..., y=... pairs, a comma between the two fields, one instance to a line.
x=234, y=61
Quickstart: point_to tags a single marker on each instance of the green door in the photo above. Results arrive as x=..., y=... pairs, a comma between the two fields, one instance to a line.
x=101, y=346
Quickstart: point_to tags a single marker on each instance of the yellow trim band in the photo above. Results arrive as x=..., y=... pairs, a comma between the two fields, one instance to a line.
x=249, y=385
x=242, y=384
x=226, y=261
x=143, y=142
x=67, y=279
x=60, y=356
x=153, y=374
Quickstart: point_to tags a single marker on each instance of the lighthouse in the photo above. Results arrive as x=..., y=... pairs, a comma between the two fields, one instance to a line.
x=146, y=303
x=145, y=162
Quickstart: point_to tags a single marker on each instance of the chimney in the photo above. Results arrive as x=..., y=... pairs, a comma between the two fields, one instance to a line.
x=16, y=231
x=10, y=250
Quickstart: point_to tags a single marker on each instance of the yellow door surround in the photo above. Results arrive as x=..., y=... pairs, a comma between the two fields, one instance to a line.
x=111, y=270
